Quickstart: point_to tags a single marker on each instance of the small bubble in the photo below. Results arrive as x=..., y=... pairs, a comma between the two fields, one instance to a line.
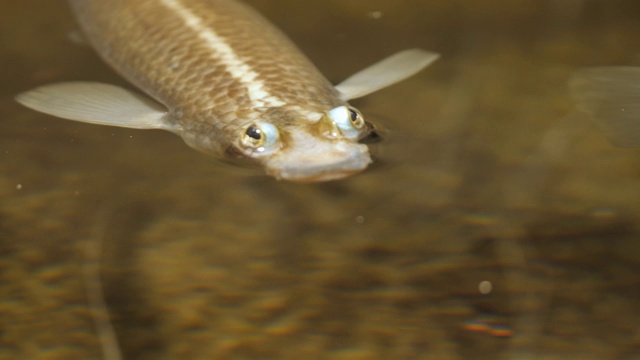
x=485, y=287
x=360, y=219
x=19, y=187
x=375, y=14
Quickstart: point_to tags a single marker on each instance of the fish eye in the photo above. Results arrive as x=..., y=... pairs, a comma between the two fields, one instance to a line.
x=260, y=137
x=349, y=121
x=253, y=136
x=356, y=118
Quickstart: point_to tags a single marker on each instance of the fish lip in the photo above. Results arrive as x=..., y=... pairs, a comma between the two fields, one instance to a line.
x=338, y=165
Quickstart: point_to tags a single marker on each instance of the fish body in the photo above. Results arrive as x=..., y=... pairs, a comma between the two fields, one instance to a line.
x=227, y=81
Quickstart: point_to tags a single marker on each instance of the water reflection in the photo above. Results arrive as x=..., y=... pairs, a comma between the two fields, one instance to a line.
x=485, y=174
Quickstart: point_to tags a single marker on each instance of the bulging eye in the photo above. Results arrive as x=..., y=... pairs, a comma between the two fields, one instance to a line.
x=260, y=137
x=356, y=118
x=349, y=121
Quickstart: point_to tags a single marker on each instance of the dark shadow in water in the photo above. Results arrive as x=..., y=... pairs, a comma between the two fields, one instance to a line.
x=133, y=319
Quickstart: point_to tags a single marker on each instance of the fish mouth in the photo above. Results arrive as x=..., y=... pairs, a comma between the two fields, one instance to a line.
x=330, y=165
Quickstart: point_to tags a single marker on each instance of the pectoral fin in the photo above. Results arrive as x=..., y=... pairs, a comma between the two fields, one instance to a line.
x=387, y=72
x=610, y=96
x=97, y=103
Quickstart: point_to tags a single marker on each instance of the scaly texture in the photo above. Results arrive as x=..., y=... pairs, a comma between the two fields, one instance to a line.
x=217, y=65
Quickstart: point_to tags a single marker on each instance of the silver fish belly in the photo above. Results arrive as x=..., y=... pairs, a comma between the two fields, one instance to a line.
x=226, y=81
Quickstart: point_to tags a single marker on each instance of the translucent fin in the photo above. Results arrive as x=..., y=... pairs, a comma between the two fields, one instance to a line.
x=387, y=72
x=611, y=98
x=96, y=103
x=77, y=37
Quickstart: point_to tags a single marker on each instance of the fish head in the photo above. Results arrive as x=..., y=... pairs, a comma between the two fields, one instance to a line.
x=321, y=148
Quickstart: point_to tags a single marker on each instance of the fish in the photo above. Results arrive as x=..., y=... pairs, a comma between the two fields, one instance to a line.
x=609, y=96
x=228, y=82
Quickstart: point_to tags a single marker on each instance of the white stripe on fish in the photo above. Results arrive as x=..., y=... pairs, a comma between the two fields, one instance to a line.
x=239, y=69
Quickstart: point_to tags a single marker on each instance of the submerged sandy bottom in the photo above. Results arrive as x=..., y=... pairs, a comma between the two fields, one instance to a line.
x=486, y=175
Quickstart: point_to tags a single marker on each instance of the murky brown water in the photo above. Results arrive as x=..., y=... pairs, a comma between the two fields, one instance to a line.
x=485, y=176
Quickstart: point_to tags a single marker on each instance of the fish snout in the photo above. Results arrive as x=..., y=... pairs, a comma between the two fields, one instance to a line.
x=320, y=163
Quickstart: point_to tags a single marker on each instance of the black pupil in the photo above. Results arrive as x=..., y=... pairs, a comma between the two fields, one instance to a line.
x=353, y=114
x=254, y=133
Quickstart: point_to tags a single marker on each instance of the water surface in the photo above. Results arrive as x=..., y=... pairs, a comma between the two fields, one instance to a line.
x=487, y=176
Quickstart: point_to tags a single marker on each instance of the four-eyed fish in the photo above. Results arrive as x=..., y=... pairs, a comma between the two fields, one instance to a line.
x=225, y=80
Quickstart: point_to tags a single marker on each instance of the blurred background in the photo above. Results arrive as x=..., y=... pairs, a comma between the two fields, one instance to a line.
x=496, y=223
